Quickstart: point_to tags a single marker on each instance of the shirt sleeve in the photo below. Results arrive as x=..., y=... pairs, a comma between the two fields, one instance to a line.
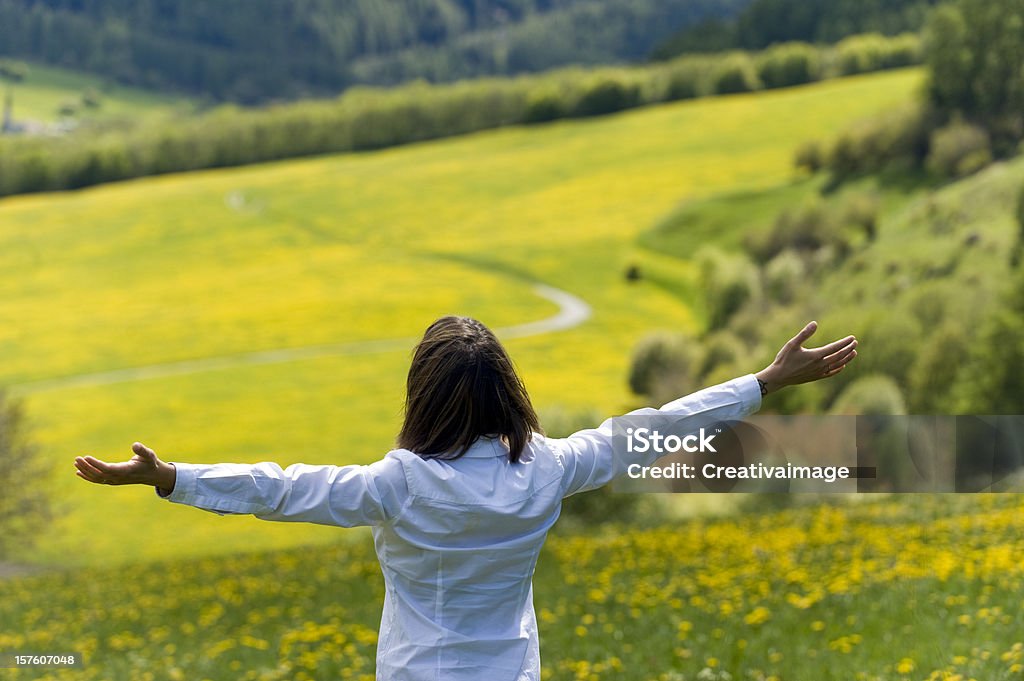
x=588, y=461
x=345, y=496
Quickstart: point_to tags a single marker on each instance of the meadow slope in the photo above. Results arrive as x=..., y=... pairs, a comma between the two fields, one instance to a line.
x=346, y=249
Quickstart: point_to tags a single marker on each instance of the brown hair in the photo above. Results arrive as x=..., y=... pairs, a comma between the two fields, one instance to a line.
x=462, y=385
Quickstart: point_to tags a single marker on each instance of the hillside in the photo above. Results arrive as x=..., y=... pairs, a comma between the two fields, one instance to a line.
x=350, y=249
x=257, y=50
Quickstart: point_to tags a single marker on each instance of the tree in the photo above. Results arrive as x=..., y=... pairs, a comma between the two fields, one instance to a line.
x=974, y=50
x=24, y=504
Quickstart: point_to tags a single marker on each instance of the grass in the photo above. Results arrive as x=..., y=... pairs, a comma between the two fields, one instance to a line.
x=926, y=587
x=45, y=89
x=346, y=248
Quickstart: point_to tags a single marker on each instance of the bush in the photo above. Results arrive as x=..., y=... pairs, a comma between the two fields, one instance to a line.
x=809, y=228
x=891, y=343
x=545, y=104
x=870, y=395
x=873, y=52
x=735, y=73
x=789, y=64
x=992, y=381
x=729, y=281
x=809, y=156
x=860, y=211
x=664, y=365
x=684, y=78
x=24, y=505
x=936, y=370
x=722, y=351
x=896, y=140
x=959, y=149
x=783, y=276
x=605, y=95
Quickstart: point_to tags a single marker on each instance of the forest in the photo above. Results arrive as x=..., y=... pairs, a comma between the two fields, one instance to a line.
x=251, y=51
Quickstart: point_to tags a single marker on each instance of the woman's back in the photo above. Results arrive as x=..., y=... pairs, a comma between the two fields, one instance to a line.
x=458, y=562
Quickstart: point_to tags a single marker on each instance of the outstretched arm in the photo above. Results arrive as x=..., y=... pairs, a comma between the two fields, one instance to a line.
x=588, y=458
x=328, y=495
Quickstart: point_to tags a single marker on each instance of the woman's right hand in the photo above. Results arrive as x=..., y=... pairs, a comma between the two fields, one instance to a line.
x=796, y=364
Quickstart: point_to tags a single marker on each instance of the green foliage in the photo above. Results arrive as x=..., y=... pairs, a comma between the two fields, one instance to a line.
x=875, y=52
x=935, y=372
x=808, y=229
x=972, y=51
x=958, y=149
x=729, y=281
x=789, y=64
x=890, y=341
x=363, y=118
x=264, y=50
x=783, y=276
x=769, y=22
x=606, y=94
x=12, y=71
x=664, y=364
x=870, y=395
x=25, y=506
x=897, y=140
x=992, y=382
x=1018, y=248
x=809, y=157
x=735, y=73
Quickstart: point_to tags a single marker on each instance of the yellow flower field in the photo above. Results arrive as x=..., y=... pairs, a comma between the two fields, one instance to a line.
x=918, y=588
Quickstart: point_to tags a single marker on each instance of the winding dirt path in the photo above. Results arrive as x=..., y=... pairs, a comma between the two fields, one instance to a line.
x=572, y=311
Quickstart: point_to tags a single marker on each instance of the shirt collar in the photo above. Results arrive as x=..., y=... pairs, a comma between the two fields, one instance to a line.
x=486, y=447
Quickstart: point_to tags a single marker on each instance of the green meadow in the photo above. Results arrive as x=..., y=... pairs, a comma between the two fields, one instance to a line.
x=348, y=249
x=45, y=89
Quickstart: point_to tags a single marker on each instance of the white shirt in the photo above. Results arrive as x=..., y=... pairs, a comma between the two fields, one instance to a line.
x=457, y=540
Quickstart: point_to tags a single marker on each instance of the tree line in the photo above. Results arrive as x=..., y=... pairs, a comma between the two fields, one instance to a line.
x=767, y=22
x=250, y=51
x=372, y=118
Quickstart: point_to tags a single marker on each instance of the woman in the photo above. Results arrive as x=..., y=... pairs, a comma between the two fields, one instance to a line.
x=460, y=510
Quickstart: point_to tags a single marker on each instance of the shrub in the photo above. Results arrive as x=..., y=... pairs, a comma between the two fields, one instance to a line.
x=24, y=504
x=809, y=228
x=722, y=351
x=861, y=212
x=809, y=156
x=936, y=370
x=735, y=73
x=545, y=104
x=870, y=395
x=959, y=149
x=788, y=64
x=783, y=276
x=897, y=139
x=604, y=95
x=890, y=342
x=664, y=364
x=729, y=281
